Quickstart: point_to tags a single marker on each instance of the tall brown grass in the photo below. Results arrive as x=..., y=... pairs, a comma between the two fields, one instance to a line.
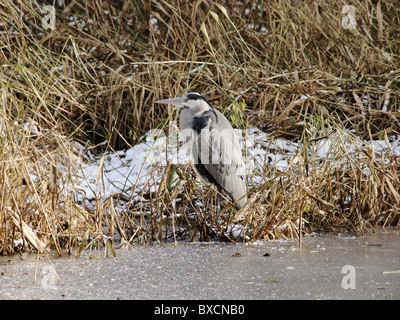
x=287, y=67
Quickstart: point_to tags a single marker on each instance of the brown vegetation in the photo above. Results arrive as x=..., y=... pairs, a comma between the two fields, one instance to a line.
x=289, y=68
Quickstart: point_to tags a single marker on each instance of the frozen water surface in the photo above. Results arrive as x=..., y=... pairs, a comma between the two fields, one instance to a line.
x=368, y=266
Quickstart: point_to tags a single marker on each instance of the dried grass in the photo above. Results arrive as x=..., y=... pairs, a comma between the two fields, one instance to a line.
x=276, y=65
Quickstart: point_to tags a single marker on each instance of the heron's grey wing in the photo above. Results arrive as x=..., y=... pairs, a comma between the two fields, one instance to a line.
x=220, y=153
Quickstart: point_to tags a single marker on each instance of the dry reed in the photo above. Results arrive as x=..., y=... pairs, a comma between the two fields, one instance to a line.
x=289, y=68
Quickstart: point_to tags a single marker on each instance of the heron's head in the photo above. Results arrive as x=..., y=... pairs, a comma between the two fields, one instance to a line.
x=194, y=101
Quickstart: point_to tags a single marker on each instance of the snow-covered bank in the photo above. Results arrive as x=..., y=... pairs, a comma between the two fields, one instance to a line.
x=142, y=166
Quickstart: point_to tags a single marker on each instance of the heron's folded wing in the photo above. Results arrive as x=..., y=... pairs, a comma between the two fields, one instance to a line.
x=220, y=153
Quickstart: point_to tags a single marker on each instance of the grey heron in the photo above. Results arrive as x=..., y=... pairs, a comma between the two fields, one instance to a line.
x=214, y=147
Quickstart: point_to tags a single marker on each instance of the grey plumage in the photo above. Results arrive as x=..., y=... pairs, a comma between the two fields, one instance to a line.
x=215, y=149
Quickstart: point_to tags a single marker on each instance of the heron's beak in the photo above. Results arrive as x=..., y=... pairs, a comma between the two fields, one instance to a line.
x=175, y=101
